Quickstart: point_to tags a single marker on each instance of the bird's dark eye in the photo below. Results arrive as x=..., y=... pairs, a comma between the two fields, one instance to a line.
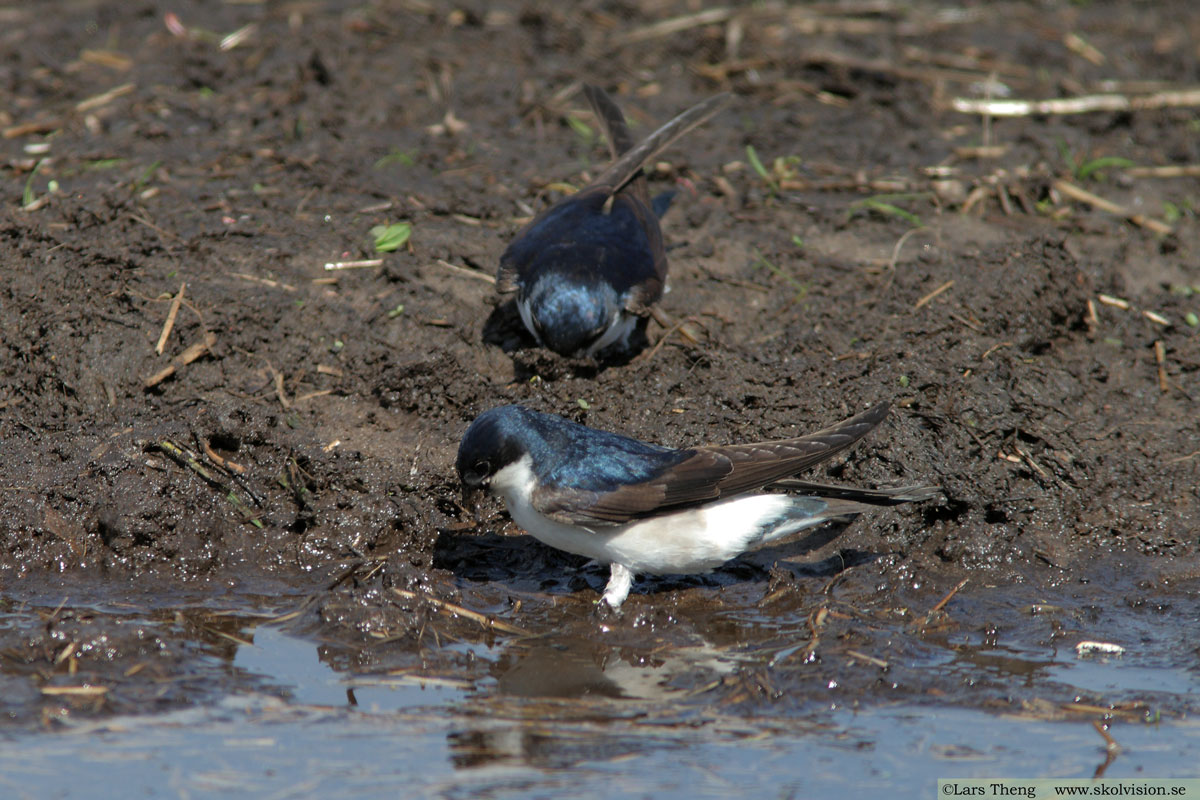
x=479, y=472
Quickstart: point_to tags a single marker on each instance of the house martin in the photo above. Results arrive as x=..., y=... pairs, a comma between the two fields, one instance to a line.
x=643, y=508
x=587, y=269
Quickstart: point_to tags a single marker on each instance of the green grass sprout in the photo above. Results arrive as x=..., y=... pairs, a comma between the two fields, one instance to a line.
x=145, y=177
x=103, y=164
x=396, y=156
x=756, y=163
x=762, y=261
x=1097, y=167
x=582, y=130
x=391, y=237
x=885, y=204
x=27, y=196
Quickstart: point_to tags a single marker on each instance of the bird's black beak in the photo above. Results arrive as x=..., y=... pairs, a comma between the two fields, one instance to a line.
x=470, y=500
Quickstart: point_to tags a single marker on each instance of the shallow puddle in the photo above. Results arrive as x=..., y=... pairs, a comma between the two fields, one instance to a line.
x=617, y=709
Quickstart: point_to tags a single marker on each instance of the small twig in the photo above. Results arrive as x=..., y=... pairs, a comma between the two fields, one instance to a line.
x=1167, y=171
x=677, y=24
x=972, y=325
x=104, y=98
x=237, y=37
x=26, y=128
x=994, y=348
x=1160, y=355
x=185, y=459
x=470, y=273
x=924, y=300
x=977, y=194
x=1115, y=302
x=451, y=609
x=75, y=691
x=1084, y=196
x=1033, y=465
x=816, y=621
x=224, y=463
x=1111, y=749
x=311, y=395
x=279, y=391
x=1109, y=742
x=264, y=281
x=160, y=231
x=900, y=243
x=186, y=357
x=859, y=184
x=678, y=326
x=664, y=319
x=949, y=596
x=1076, y=105
x=1076, y=44
x=879, y=662
x=370, y=262
x=170, y=323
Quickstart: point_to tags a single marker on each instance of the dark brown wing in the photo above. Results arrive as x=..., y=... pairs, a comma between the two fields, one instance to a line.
x=708, y=474
x=506, y=279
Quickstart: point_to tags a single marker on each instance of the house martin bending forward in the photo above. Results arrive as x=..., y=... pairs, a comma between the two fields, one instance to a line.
x=642, y=508
x=586, y=270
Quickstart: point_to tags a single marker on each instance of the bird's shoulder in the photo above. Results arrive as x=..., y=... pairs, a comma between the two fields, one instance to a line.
x=605, y=479
x=616, y=480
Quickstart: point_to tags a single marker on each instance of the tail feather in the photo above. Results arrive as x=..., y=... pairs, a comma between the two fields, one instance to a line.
x=616, y=130
x=803, y=512
x=827, y=503
x=626, y=166
x=874, y=497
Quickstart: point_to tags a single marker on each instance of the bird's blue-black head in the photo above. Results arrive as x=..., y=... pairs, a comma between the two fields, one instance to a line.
x=493, y=441
x=571, y=312
x=562, y=453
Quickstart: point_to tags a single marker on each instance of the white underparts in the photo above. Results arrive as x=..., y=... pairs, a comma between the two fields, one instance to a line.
x=618, y=330
x=683, y=542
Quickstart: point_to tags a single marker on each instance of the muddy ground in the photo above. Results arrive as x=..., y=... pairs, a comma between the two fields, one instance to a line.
x=1040, y=349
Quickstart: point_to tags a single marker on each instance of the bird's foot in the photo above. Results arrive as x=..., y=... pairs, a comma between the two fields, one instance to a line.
x=619, y=582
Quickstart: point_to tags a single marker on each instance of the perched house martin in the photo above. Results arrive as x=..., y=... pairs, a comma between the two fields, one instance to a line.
x=642, y=508
x=586, y=270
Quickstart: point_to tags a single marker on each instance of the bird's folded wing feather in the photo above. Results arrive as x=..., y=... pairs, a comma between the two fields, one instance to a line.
x=708, y=474
x=506, y=278
x=874, y=497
